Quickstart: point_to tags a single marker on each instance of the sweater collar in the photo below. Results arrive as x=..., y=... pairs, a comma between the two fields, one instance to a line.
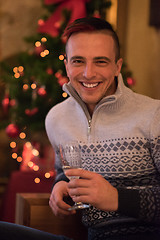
x=116, y=99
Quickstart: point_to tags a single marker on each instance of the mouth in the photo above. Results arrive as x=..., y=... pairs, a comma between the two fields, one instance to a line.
x=90, y=85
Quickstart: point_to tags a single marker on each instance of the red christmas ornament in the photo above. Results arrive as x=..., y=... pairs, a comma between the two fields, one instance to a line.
x=12, y=130
x=41, y=92
x=62, y=80
x=12, y=102
x=31, y=112
x=58, y=74
x=130, y=81
x=40, y=22
x=5, y=103
x=49, y=71
x=64, y=40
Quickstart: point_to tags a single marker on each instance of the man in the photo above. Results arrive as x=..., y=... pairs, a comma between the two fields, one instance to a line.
x=119, y=134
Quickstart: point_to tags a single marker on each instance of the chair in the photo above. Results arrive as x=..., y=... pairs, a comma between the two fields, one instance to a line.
x=32, y=210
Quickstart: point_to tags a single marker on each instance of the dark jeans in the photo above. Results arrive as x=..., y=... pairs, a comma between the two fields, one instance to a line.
x=95, y=234
x=10, y=231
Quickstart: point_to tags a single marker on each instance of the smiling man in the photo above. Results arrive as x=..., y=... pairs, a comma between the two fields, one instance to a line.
x=119, y=135
x=92, y=68
x=118, y=132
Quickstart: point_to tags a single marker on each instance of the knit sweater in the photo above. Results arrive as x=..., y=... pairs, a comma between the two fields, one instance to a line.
x=121, y=141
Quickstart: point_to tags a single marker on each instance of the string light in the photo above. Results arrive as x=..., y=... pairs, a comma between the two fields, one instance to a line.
x=17, y=75
x=43, y=39
x=20, y=68
x=61, y=57
x=25, y=86
x=64, y=94
x=18, y=71
x=33, y=86
x=19, y=159
x=47, y=175
x=35, y=167
x=15, y=69
x=22, y=135
x=30, y=164
x=44, y=53
x=38, y=44
x=14, y=155
x=37, y=180
x=35, y=152
x=13, y=144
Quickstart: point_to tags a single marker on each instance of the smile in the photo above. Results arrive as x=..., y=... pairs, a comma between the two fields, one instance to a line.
x=90, y=85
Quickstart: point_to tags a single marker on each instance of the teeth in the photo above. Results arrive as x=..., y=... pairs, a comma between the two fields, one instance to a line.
x=91, y=85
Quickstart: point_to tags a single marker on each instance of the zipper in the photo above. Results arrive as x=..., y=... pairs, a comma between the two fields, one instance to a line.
x=71, y=91
x=89, y=126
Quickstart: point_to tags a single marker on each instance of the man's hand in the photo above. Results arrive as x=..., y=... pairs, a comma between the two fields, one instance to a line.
x=56, y=202
x=92, y=188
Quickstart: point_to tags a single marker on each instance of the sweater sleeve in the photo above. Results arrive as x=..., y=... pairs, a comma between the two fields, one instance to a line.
x=60, y=176
x=50, y=123
x=144, y=202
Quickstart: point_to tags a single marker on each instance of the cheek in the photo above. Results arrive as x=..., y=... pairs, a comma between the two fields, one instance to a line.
x=74, y=73
x=107, y=73
x=111, y=72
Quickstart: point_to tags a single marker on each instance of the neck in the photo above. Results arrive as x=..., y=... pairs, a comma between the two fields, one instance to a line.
x=90, y=109
x=110, y=91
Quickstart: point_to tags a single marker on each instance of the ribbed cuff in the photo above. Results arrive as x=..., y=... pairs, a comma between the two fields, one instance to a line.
x=128, y=202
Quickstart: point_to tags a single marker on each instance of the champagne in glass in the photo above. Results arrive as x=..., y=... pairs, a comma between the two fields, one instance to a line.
x=71, y=158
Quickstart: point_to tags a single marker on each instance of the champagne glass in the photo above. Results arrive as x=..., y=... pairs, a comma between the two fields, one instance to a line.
x=70, y=157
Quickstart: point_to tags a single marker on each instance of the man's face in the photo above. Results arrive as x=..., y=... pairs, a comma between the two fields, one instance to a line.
x=91, y=66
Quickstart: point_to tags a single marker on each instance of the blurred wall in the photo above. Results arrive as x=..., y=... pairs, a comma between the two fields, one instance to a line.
x=18, y=19
x=140, y=45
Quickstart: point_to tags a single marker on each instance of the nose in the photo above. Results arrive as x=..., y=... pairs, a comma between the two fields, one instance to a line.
x=89, y=71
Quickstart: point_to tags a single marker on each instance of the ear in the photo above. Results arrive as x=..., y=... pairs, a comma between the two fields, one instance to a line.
x=119, y=66
x=66, y=65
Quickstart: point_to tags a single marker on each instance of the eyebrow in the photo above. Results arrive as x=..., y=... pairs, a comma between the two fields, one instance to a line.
x=75, y=57
x=102, y=57
x=95, y=58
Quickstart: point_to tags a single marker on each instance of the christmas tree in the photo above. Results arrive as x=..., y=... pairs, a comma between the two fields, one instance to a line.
x=33, y=84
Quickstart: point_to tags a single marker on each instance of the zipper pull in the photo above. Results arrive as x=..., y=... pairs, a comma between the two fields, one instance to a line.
x=89, y=126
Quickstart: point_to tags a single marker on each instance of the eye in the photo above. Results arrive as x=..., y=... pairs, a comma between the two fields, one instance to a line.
x=77, y=62
x=101, y=63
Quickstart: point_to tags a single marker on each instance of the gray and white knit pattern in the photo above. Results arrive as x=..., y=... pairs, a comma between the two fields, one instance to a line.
x=123, y=145
x=126, y=163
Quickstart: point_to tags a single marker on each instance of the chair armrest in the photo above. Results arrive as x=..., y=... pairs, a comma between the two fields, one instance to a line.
x=32, y=210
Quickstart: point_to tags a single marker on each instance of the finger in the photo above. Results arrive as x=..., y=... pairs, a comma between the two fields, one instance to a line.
x=60, y=204
x=57, y=200
x=60, y=210
x=80, y=172
x=74, y=183
x=79, y=192
x=84, y=199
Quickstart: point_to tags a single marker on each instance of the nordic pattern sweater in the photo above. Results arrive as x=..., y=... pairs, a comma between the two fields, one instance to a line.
x=122, y=143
